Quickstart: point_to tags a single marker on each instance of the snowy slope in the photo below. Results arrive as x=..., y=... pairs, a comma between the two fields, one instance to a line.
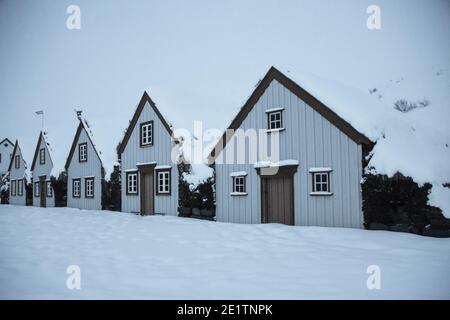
x=416, y=143
x=127, y=256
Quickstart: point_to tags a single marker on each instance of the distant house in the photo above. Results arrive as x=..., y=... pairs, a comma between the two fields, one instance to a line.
x=41, y=168
x=316, y=180
x=149, y=176
x=6, y=150
x=18, y=179
x=85, y=172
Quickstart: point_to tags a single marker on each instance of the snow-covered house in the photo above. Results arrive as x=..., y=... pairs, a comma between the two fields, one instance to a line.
x=41, y=169
x=6, y=150
x=149, y=176
x=17, y=177
x=316, y=178
x=85, y=172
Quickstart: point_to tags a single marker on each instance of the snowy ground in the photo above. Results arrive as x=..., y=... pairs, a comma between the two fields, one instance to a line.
x=127, y=256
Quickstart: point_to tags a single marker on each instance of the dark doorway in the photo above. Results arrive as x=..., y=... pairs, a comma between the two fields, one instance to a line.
x=277, y=196
x=147, y=191
x=43, y=191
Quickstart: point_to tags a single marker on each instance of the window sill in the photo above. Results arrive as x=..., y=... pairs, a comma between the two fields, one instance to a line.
x=238, y=193
x=321, y=193
x=163, y=194
x=275, y=130
x=146, y=145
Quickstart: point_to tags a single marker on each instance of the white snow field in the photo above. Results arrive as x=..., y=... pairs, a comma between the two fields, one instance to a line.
x=131, y=257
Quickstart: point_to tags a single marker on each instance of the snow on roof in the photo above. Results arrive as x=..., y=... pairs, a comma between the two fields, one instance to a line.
x=415, y=143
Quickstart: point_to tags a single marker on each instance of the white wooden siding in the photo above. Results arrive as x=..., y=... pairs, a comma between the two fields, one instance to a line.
x=17, y=174
x=314, y=142
x=43, y=170
x=160, y=153
x=6, y=156
x=93, y=167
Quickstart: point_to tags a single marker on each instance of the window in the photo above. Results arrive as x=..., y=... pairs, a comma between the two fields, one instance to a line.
x=275, y=120
x=20, y=187
x=132, y=183
x=321, y=182
x=239, y=185
x=89, y=187
x=76, y=186
x=36, y=189
x=42, y=156
x=17, y=162
x=163, y=182
x=49, y=189
x=0, y=158
x=13, y=187
x=147, y=133
x=82, y=152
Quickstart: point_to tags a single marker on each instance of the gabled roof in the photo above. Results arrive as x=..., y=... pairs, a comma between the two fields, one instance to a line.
x=317, y=105
x=7, y=140
x=16, y=145
x=74, y=144
x=145, y=98
x=36, y=152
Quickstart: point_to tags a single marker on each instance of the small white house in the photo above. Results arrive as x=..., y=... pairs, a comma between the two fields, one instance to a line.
x=6, y=150
x=316, y=178
x=85, y=172
x=149, y=176
x=17, y=177
x=41, y=168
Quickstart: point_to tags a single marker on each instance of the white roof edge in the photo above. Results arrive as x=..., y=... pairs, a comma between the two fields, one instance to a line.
x=238, y=174
x=320, y=169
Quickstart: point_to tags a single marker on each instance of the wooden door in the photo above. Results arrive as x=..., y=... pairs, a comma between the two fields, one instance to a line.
x=147, y=194
x=43, y=191
x=278, y=199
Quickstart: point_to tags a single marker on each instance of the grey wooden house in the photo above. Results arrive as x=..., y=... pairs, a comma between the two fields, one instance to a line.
x=85, y=172
x=318, y=175
x=41, y=170
x=149, y=176
x=17, y=177
x=6, y=150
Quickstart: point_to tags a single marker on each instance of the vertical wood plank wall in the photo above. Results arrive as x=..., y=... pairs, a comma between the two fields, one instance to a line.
x=160, y=152
x=43, y=170
x=85, y=169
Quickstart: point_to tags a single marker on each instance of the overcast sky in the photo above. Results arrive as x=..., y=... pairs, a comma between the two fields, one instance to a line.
x=199, y=60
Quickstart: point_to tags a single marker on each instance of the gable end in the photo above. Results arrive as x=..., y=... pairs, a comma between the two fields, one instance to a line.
x=145, y=98
x=318, y=106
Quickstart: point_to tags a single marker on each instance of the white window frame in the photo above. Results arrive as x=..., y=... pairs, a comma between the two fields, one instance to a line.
x=48, y=184
x=42, y=156
x=132, y=183
x=239, y=185
x=147, y=134
x=163, y=182
x=89, y=187
x=82, y=149
x=17, y=162
x=36, y=189
x=20, y=187
x=76, y=188
x=13, y=188
x=275, y=121
x=321, y=186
